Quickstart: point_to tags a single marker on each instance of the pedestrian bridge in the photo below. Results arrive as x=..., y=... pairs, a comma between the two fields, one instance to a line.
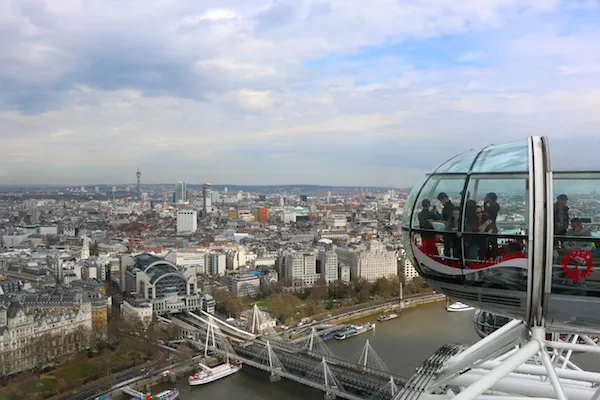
x=310, y=363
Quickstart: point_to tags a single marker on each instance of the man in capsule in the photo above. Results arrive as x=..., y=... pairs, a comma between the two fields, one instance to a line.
x=578, y=230
x=561, y=215
x=426, y=218
x=447, y=206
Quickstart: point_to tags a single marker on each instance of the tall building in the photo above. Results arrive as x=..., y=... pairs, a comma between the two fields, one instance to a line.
x=180, y=192
x=206, y=197
x=328, y=265
x=138, y=175
x=216, y=263
x=187, y=221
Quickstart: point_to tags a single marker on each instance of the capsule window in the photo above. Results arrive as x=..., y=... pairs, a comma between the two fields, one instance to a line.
x=497, y=204
x=435, y=204
x=576, y=244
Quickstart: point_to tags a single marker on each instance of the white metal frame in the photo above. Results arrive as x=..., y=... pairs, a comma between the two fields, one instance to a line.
x=516, y=362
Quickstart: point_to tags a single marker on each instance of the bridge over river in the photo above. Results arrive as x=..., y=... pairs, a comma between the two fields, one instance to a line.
x=310, y=363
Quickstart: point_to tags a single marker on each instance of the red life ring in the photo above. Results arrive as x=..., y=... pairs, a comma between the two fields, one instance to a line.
x=575, y=273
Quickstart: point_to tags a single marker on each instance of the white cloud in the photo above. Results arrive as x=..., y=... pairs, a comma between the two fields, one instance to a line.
x=255, y=99
x=373, y=93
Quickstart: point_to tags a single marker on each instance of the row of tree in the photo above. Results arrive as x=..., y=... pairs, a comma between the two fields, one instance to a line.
x=288, y=306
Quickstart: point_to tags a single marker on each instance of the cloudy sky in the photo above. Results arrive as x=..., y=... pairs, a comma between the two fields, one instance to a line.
x=338, y=92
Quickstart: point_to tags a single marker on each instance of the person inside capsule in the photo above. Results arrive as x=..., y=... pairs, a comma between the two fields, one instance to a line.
x=426, y=217
x=577, y=230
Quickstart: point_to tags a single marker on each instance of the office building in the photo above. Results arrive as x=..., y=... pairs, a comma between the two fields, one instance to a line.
x=246, y=285
x=206, y=198
x=371, y=263
x=327, y=261
x=180, y=192
x=187, y=221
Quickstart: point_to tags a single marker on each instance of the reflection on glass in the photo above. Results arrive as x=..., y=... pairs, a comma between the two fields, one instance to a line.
x=511, y=157
x=410, y=201
x=497, y=205
x=460, y=163
x=430, y=260
x=506, y=269
x=443, y=195
x=576, y=253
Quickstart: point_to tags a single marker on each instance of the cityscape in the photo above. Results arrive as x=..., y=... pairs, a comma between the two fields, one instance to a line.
x=299, y=199
x=78, y=263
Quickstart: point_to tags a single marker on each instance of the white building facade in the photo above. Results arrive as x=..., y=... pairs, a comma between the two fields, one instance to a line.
x=187, y=221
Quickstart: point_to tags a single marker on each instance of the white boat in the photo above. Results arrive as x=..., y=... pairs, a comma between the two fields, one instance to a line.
x=458, y=306
x=207, y=374
x=386, y=317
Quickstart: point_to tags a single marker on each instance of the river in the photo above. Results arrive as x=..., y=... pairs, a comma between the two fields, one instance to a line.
x=403, y=344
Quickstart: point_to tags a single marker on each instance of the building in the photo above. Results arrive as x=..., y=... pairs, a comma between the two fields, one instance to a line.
x=327, y=265
x=180, y=192
x=216, y=263
x=159, y=281
x=138, y=312
x=371, y=263
x=344, y=273
x=206, y=198
x=263, y=214
x=300, y=269
x=187, y=221
x=405, y=267
x=42, y=328
x=246, y=285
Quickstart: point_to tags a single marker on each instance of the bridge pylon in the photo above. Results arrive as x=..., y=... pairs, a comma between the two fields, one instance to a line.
x=269, y=358
x=387, y=392
x=315, y=343
x=217, y=340
x=262, y=322
x=369, y=358
x=324, y=376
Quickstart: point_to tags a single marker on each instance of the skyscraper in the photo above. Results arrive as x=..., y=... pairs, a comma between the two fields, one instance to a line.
x=138, y=175
x=206, y=195
x=180, y=192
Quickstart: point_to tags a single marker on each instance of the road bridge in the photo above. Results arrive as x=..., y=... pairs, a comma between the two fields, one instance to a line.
x=312, y=364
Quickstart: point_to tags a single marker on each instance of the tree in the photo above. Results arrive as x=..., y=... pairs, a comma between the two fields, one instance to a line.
x=363, y=290
x=382, y=287
x=339, y=290
x=283, y=305
x=319, y=291
x=184, y=353
x=228, y=303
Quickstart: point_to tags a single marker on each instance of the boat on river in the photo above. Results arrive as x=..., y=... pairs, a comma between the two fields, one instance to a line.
x=354, y=330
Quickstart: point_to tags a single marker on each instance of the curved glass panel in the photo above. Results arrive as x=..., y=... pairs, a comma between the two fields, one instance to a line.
x=443, y=192
x=410, y=201
x=575, y=153
x=576, y=250
x=429, y=259
x=497, y=204
x=460, y=163
x=510, y=157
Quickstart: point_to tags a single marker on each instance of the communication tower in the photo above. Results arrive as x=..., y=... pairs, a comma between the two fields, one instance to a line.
x=138, y=174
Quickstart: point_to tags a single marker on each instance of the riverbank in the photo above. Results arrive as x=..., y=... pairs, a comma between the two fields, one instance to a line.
x=397, y=307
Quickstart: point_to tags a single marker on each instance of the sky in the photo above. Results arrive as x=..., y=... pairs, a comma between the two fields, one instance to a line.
x=333, y=92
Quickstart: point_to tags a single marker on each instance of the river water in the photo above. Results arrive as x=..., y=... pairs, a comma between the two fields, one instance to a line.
x=403, y=344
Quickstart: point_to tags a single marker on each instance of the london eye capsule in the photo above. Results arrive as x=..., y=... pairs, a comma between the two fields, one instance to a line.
x=500, y=230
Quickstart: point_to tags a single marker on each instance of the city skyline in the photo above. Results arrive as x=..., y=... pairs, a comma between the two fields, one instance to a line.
x=261, y=93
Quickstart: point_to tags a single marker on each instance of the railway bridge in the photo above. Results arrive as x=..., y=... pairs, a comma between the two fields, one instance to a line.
x=310, y=363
